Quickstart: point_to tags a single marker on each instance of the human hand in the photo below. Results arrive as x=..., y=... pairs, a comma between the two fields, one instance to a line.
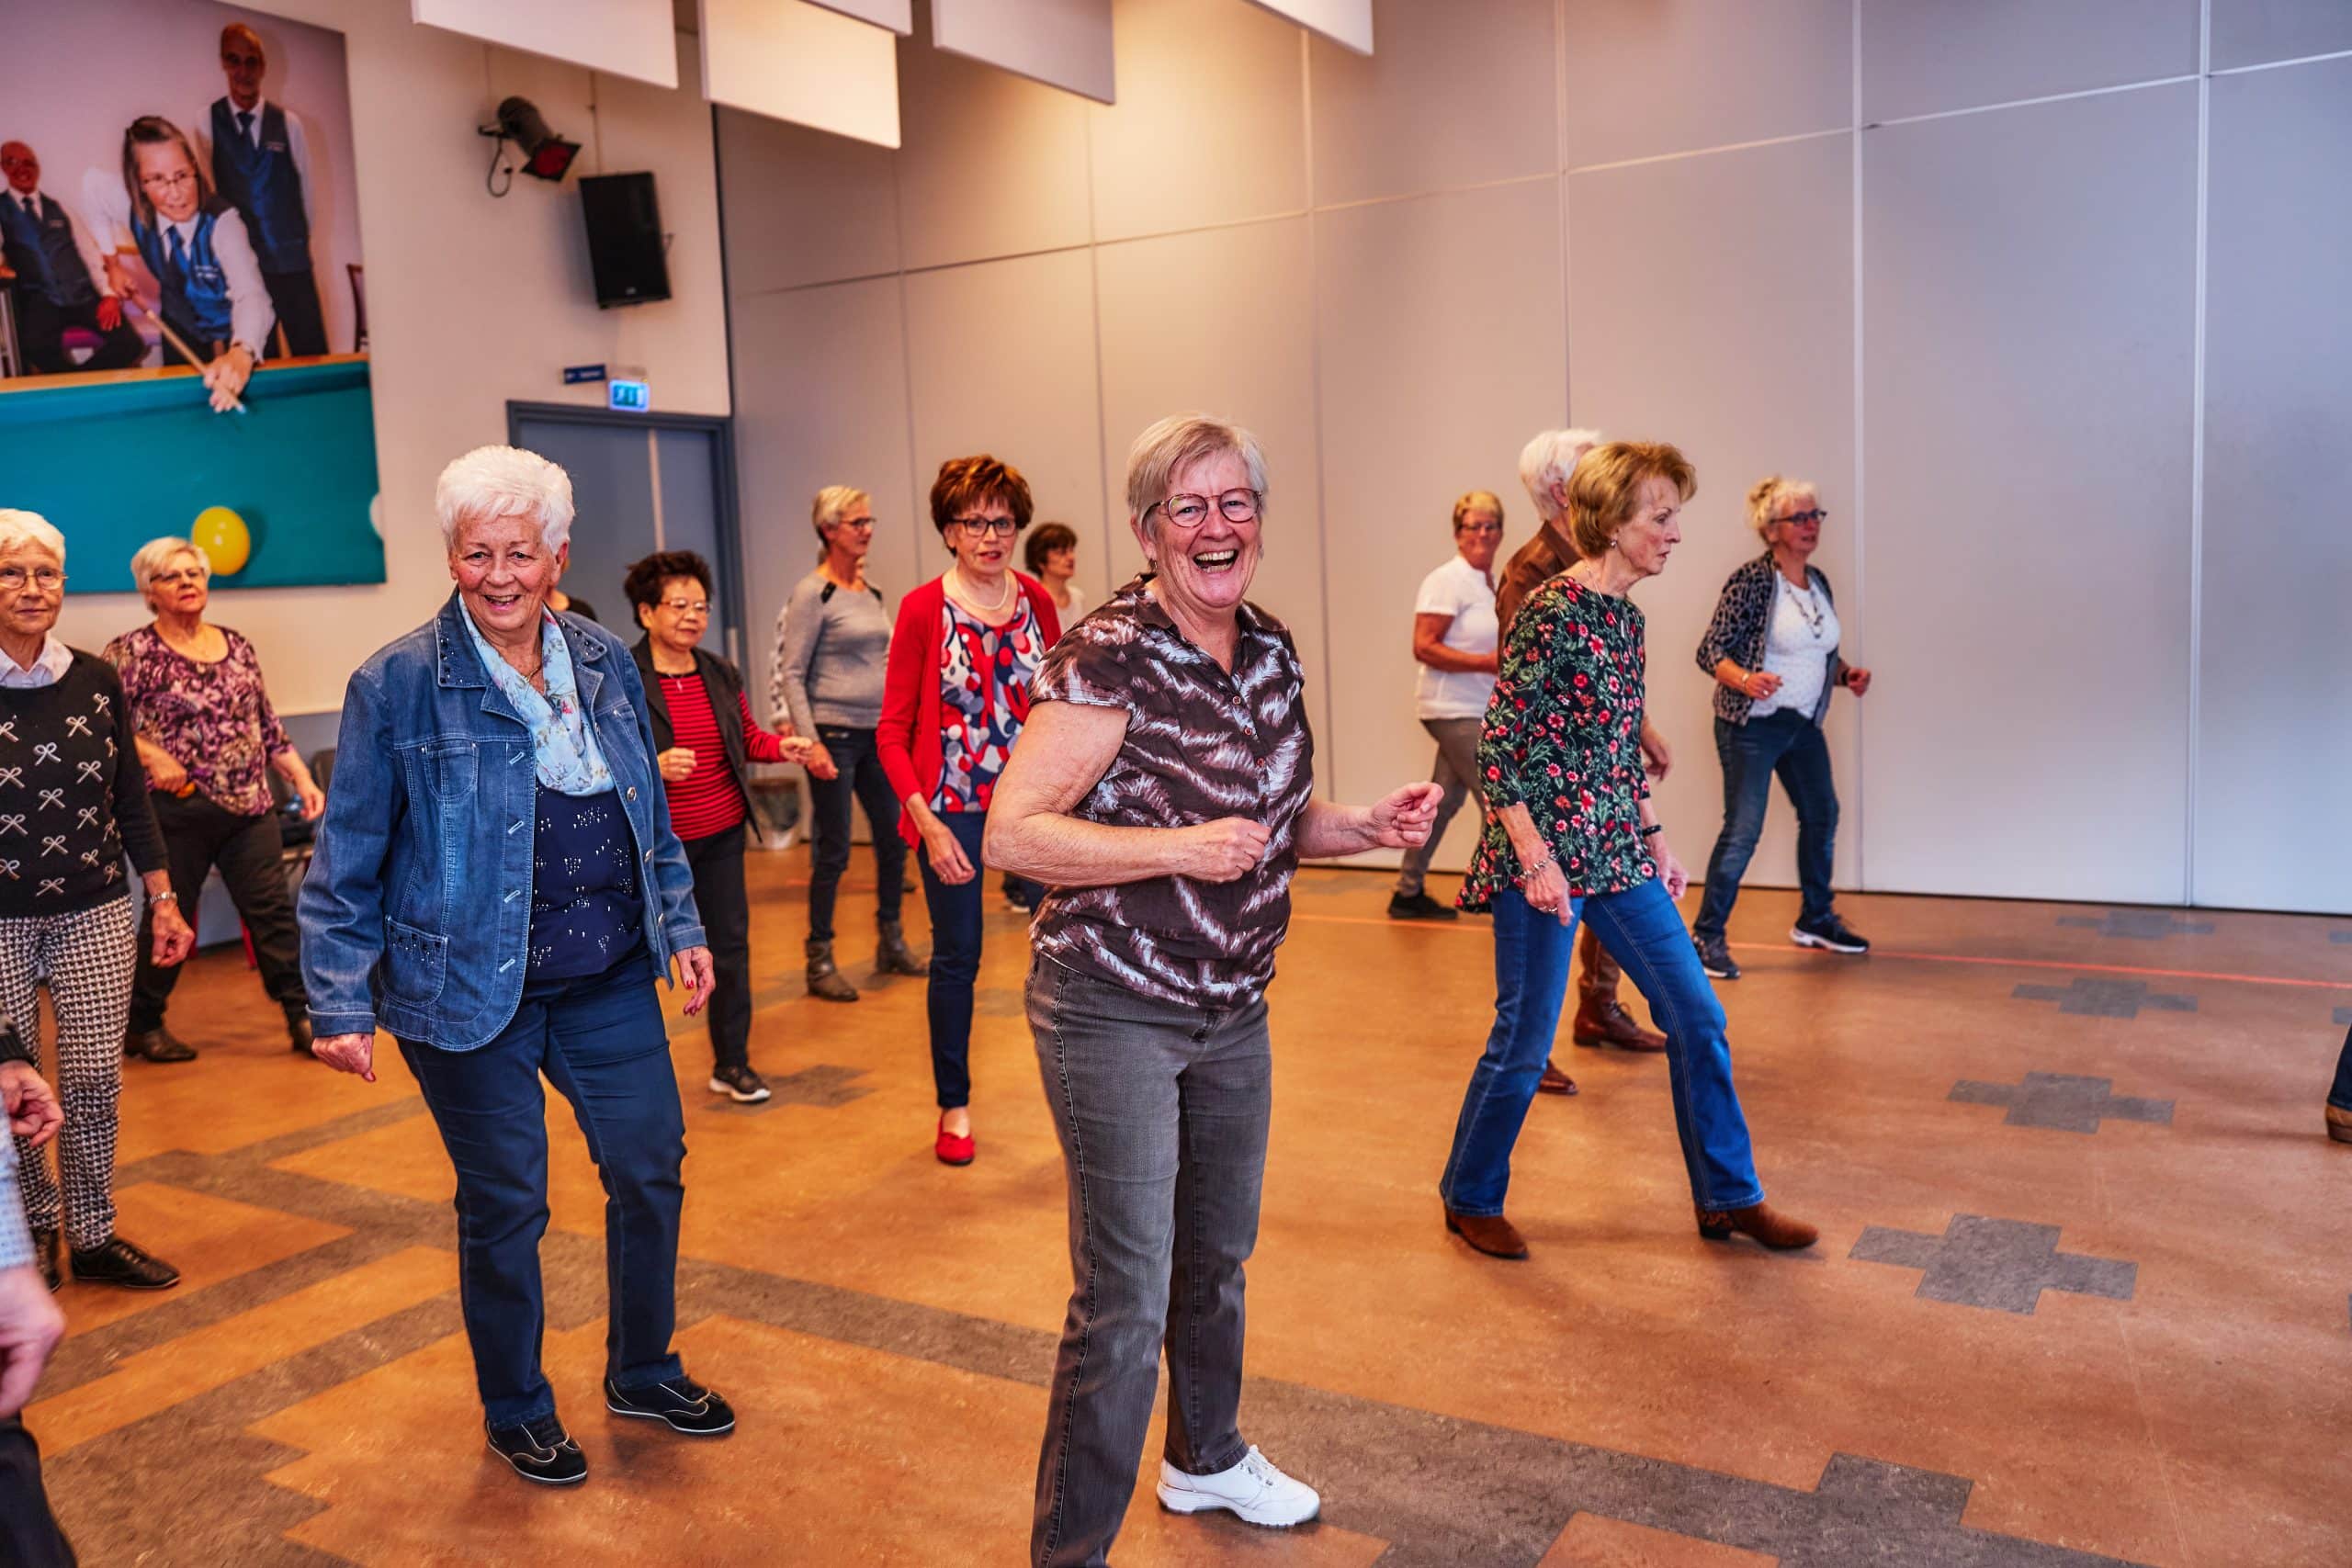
x=173, y=938
x=948, y=862
x=31, y=1325
x=1546, y=892
x=226, y=377
x=1656, y=759
x=1225, y=849
x=109, y=313
x=1760, y=683
x=1402, y=820
x=30, y=1104
x=820, y=761
x=1858, y=680
x=165, y=772
x=348, y=1054
x=1671, y=869
x=314, y=799
x=695, y=971
x=675, y=764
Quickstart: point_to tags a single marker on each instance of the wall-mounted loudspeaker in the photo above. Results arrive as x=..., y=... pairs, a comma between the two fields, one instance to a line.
x=625, y=243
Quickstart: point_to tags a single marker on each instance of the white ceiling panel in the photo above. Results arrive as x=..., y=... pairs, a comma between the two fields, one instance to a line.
x=795, y=61
x=627, y=38
x=1063, y=43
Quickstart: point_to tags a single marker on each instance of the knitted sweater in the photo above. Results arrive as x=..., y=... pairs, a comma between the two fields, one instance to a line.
x=72, y=794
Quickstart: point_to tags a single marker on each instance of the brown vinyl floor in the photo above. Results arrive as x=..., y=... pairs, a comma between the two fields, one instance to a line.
x=2095, y=1306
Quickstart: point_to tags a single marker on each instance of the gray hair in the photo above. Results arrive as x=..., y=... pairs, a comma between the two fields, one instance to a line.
x=830, y=504
x=1177, y=443
x=156, y=555
x=19, y=529
x=1547, y=461
x=504, y=481
x=1764, y=499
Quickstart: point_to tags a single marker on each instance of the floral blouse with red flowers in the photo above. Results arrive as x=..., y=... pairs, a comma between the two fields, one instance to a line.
x=985, y=674
x=1563, y=738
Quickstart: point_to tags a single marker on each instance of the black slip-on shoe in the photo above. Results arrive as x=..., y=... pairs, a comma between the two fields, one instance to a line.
x=1419, y=907
x=120, y=1262
x=157, y=1045
x=541, y=1450
x=684, y=1403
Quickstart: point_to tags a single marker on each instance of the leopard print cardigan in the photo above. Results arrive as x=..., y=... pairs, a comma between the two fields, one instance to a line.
x=1743, y=620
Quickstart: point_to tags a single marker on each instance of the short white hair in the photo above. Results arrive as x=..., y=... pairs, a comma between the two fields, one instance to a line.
x=19, y=529
x=504, y=481
x=1177, y=441
x=1548, y=460
x=156, y=555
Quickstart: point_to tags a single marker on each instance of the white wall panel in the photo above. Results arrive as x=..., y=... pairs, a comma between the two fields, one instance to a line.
x=1458, y=95
x=898, y=16
x=2249, y=32
x=994, y=164
x=1062, y=43
x=794, y=61
x=802, y=205
x=1653, y=76
x=1222, y=321
x=1346, y=22
x=1742, y=354
x=820, y=399
x=1439, y=358
x=627, y=38
x=1210, y=127
x=2274, y=744
x=1002, y=361
x=1925, y=56
x=2029, y=308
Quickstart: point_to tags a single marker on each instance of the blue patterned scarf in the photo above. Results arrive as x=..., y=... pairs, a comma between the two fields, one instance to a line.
x=564, y=748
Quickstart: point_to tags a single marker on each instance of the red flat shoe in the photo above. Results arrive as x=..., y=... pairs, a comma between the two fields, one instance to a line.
x=953, y=1148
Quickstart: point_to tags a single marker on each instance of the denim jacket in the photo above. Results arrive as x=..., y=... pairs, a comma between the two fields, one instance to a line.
x=416, y=914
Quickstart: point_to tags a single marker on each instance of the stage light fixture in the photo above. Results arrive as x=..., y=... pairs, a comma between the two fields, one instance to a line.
x=546, y=155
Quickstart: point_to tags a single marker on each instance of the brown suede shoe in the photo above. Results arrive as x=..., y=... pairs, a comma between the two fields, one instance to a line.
x=2339, y=1124
x=1555, y=1081
x=1776, y=1231
x=1489, y=1233
x=1606, y=1022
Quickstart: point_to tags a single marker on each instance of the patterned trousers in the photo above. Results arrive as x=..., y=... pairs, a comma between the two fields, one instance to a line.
x=86, y=959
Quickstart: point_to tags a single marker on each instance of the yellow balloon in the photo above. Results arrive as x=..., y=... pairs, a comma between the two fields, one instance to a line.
x=223, y=537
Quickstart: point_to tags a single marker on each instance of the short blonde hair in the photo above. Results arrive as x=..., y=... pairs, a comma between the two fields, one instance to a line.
x=19, y=529
x=504, y=481
x=830, y=504
x=1603, y=490
x=1176, y=444
x=1764, y=500
x=1477, y=500
x=156, y=555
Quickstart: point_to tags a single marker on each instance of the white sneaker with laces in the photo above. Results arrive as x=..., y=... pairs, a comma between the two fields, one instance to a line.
x=1254, y=1489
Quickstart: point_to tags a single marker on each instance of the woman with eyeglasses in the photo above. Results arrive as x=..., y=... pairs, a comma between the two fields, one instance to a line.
x=1772, y=648
x=214, y=297
x=209, y=739
x=1454, y=636
x=963, y=661
x=831, y=642
x=705, y=740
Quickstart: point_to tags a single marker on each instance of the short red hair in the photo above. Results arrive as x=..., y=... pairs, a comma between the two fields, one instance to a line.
x=965, y=483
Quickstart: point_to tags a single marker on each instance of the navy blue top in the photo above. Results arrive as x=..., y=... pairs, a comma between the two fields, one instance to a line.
x=586, y=912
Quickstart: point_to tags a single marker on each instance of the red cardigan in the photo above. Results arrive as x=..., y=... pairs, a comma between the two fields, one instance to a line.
x=908, y=736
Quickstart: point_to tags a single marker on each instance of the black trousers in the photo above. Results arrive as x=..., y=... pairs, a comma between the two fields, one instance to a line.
x=296, y=295
x=41, y=328
x=718, y=865
x=200, y=834
x=28, y=1533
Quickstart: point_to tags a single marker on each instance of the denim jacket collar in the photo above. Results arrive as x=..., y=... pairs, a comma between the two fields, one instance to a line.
x=460, y=665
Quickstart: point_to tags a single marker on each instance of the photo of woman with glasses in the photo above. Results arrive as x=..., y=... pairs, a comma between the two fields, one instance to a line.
x=214, y=297
x=962, y=660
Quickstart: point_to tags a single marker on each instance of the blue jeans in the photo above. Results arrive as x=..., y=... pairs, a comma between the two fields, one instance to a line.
x=1792, y=745
x=860, y=770
x=599, y=1039
x=1643, y=931
x=2340, y=1096
x=956, y=912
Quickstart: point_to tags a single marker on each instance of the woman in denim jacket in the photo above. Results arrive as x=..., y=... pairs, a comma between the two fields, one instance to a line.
x=497, y=887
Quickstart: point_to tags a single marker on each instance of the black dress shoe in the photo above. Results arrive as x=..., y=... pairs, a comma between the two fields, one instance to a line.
x=120, y=1262
x=45, y=1254
x=157, y=1045
x=684, y=1403
x=541, y=1450
x=1419, y=907
x=298, y=1030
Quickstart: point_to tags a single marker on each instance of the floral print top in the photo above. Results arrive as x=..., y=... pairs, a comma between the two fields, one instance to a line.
x=1563, y=738
x=986, y=676
x=215, y=719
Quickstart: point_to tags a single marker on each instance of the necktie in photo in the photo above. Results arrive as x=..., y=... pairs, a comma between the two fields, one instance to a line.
x=179, y=256
x=245, y=124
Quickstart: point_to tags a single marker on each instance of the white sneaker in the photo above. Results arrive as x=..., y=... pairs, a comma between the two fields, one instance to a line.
x=1253, y=1489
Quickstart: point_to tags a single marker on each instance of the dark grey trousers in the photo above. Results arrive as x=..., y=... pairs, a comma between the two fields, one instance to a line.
x=1162, y=1113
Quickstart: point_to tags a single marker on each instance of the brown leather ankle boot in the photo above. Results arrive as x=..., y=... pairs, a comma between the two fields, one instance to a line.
x=1776, y=1231
x=825, y=980
x=1489, y=1233
x=1603, y=1021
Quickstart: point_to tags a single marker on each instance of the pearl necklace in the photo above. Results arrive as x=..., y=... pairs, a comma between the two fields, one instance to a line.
x=1003, y=599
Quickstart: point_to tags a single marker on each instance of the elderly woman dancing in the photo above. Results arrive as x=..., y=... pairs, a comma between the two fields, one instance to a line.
x=73, y=799
x=1572, y=832
x=1163, y=793
x=498, y=887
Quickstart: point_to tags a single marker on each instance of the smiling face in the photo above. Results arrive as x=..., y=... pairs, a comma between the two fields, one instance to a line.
x=167, y=177
x=16, y=161
x=29, y=609
x=981, y=536
x=1655, y=527
x=243, y=63
x=504, y=570
x=1203, y=570
x=1479, y=537
x=182, y=586
x=680, y=616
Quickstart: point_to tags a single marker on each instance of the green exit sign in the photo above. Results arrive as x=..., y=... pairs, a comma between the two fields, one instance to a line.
x=629, y=397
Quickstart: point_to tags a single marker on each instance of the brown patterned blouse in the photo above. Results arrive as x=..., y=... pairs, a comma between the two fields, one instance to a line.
x=1200, y=745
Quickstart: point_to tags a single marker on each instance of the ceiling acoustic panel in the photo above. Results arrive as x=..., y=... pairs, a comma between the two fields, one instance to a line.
x=627, y=38
x=1063, y=43
x=794, y=61
x=1346, y=22
x=898, y=16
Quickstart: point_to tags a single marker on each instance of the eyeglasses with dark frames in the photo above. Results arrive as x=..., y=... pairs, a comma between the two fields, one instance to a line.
x=1004, y=525
x=1189, y=512
x=1815, y=516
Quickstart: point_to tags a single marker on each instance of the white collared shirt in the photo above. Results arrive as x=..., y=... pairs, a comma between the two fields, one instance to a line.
x=251, y=314
x=47, y=669
x=297, y=144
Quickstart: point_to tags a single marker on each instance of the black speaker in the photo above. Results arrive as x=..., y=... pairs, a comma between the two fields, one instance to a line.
x=625, y=248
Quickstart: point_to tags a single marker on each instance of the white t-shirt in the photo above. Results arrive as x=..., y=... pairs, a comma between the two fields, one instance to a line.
x=1796, y=647
x=1466, y=596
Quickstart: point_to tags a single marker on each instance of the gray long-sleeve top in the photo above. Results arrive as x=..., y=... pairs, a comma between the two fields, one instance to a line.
x=831, y=644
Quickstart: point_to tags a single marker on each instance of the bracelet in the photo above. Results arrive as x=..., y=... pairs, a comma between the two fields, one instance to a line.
x=1549, y=860
x=166, y=897
x=1653, y=830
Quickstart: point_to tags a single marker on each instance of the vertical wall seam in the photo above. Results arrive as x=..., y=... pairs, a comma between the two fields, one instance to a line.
x=2197, y=453
x=1110, y=504
x=915, y=489
x=1315, y=375
x=1861, y=485
x=1560, y=193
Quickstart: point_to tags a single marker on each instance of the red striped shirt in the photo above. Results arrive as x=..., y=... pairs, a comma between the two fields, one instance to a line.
x=708, y=800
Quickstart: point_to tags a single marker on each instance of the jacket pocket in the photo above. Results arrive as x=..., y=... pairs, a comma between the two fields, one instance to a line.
x=451, y=768
x=417, y=963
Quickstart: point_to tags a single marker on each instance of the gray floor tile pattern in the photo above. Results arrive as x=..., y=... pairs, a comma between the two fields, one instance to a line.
x=2143, y=925
x=2062, y=1101
x=2101, y=996
x=2003, y=1265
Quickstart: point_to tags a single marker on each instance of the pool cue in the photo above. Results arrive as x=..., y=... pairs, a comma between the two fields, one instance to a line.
x=174, y=338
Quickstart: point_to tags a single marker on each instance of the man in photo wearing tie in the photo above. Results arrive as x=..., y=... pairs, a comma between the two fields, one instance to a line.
x=213, y=296
x=261, y=165
x=61, y=276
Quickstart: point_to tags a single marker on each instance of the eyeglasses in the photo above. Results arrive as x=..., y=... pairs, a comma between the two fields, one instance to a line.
x=686, y=606
x=1815, y=516
x=1481, y=528
x=167, y=182
x=1192, y=511
x=864, y=523
x=48, y=579
x=1004, y=525
x=174, y=578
